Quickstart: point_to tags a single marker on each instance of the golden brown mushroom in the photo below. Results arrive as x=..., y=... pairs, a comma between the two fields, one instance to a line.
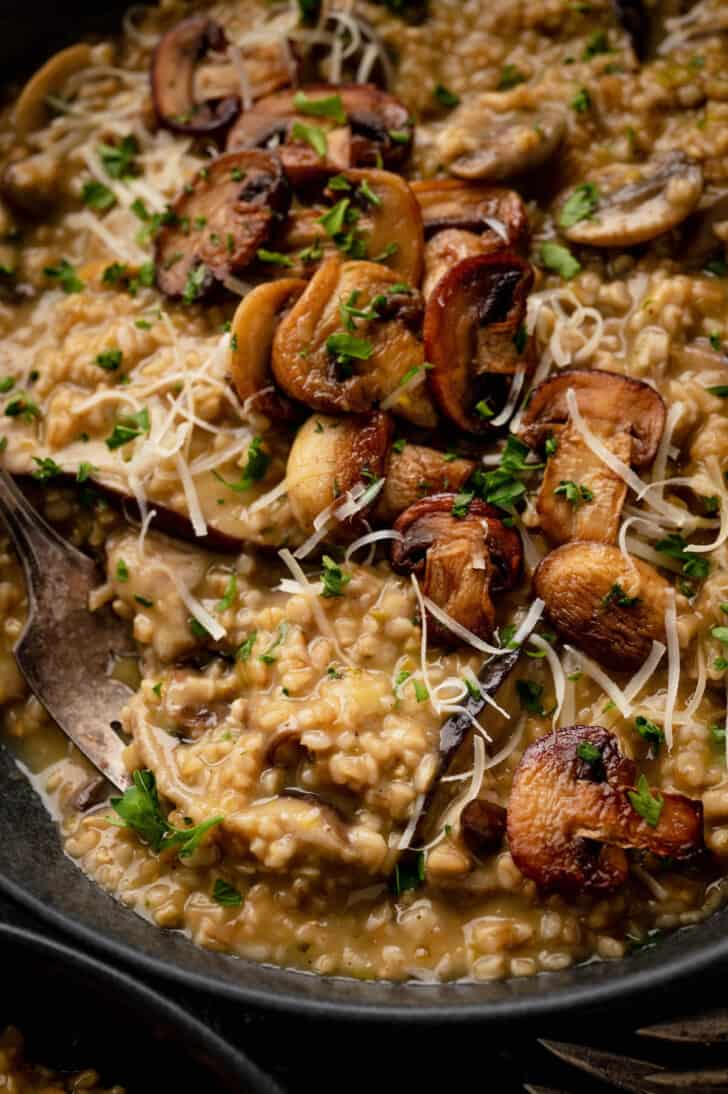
x=608, y=607
x=462, y=560
x=253, y=327
x=580, y=496
x=219, y=222
x=414, y=472
x=364, y=127
x=370, y=214
x=490, y=211
x=32, y=108
x=571, y=814
x=475, y=336
x=330, y=456
x=348, y=344
x=485, y=140
x=629, y=203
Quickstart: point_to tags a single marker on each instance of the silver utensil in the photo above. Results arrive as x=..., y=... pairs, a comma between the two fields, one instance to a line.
x=66, y=652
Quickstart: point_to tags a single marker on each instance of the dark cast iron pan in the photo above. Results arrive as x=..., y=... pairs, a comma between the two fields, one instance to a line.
x=75, y=1013
x=35, y=872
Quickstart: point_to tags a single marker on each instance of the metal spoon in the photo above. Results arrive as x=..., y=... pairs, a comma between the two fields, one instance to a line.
x=66, y=652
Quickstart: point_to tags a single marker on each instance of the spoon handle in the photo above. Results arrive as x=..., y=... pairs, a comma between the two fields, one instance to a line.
x=65, y=651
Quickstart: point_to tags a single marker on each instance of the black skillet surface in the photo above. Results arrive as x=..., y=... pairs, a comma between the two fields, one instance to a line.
x=76, y=1013
x=34, y=871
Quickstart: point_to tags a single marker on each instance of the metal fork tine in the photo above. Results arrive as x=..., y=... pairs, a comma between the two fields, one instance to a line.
x=621, y=1071
x=708, y=1028
x=694, y=1082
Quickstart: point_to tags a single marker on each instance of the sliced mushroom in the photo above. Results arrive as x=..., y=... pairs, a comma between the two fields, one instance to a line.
x=611, y=608
x=464, y=560
x=570, y=819
x=580, y=496
x=373, y=128
x=32, y=184
x=447, y=249
x=330, y=363
x=634, y=202
x=381, y=222
x=483, y=826
x=482, y=141
x=284, y=749
x=475, y=337
x=31, y=109
x=328, y=458
x=491, y=211
x=219, y=222
x=253, y=328
x=414, y=472
x=175, y=64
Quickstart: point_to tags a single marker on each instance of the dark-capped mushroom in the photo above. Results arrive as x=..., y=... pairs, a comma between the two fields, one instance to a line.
x=348, y=344
x=357, y=126
x=416, y=471
x=483, y=826
x=494, y=212
x=219, y=222
x=475, y=336
x=484, y=139
x=627, y=416
x=174, y=68
x=253, y=327
x=447, y=249
x=610, y=608
x=329, y=457
x=629, y=203
x=462, y=560
x=571, y=814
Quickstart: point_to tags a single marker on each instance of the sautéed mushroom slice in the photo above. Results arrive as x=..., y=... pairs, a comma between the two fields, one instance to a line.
x=490, y=139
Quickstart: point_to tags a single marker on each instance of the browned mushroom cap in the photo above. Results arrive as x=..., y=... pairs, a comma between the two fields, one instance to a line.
x=569, y=820
x=611, y=609
x=464, y=560
x=219, y=222
x=329, y=457
x=330, y=364
x=31, y=110
x=447, y=249
x=475, y=337
x=491, y=211
x=370, y=128
x=635, y=202
x=625, y=405
x=174, y=67
x=481, y=141
x=254, y=325
x=483, y=826
x=378, y=211
x=416, y=471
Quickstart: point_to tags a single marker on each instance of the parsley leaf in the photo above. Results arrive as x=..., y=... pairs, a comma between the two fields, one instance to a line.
x=619, y=596
x=598, y=43
x=408, y=876
x=231, y=590
x=649, y=731
x=47, y=469
x=674, y=546
x=225, y=894
x=581, y=102
x=644, y=803
x=97, y=195
x=330, y=107
x=559, y=259
x=334, y=578
x=65, y=275
x=530, y=694
x=311, y=134
x=461, y=503
x=510, y=76
x=110, y=359
x=140, y=809
x=504, y=486
x=268, y=656
x=128, y=428
x=256, y=464
x=246, y=648
x=581, y=204
x=575, y=493
x=275, y=257
x=20, y=406
x=195, y=284
x=445, y=97
x=119, y=160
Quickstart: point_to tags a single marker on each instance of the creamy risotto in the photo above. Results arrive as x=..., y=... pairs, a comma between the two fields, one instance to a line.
x=379, y=357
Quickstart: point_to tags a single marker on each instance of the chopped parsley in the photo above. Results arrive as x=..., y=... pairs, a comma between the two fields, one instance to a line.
x=597, y=43
x=275, y=257
x=122, y=570
x=7, y=384
x=530, y=695
x=333, y=577
x=559, y=259
x=245, y=649
x=256, y=465
x=20, y=406
x=231, y=590
x=674, y=546
x=345, y=348
x=65, y=275
x=461, y=503
x=128, y=429
x=581, y=102
x=97, y=195
x=140, y=809
x=311, y=134
x=195, y=284
x=445, y=97
x=644, y=803
x=47, y=469
x=330, y=107
x=110, y=359
x=119, y=160
x=85, y=471
x=581, y=204
x=504, y=486
x=573, y=492
x=620, y=597
x=649, y=731
x=225, y=894
x=409, y=876
x=589, y=753
x=334, y=220
x=510, y=77
x=144, y=601
x=399, y=445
